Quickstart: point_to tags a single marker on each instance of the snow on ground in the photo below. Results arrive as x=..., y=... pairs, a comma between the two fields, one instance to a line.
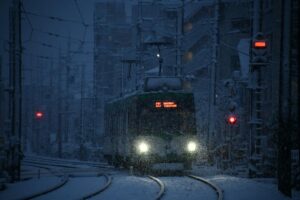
x=29, y=187
x=130, y=187
x=246, y=189
x=33, y=172
x=178, y=188
x=76, y=188
x=236, y=188
x=125, y=187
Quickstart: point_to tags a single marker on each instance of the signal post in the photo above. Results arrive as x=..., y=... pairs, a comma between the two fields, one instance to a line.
x=259, y=60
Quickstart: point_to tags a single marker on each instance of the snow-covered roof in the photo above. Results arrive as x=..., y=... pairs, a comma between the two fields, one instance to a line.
x=154, y=70
x=157, y=83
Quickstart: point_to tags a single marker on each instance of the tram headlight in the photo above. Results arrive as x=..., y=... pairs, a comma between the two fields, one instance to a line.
x=191, y=146
x=143, y=147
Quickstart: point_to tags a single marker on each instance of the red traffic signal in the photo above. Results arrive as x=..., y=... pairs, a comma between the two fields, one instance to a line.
x=259, y=49
x=39, y=114
x=260, y=44
x=231, y=119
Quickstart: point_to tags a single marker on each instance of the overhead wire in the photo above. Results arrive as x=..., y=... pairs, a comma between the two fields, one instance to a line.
x=29, y=22
x=54, y=18
x=83, y=24
x=81, y=42
x=80, y=14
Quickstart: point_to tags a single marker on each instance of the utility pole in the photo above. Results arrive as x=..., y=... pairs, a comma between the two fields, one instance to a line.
x=81, y=137
x=81, y=103
x=20, y=79
x=213, y=77
x=284, y=114
x=179, y=40
x=256, y=94
x=15, y=89
x=60, y=106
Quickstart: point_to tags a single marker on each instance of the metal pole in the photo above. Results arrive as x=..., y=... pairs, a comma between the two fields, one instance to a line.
x=81, y=109
x=12, y=103
x=284, y=137
x=20, y=90
x=160, y=61
x=213, y=78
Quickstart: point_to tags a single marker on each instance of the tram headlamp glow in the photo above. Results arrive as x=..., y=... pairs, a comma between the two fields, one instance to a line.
x=192, y=146
x=143, y=147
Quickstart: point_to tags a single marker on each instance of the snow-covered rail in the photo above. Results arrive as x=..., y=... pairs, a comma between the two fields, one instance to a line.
x=212, y=185
x=62, y=182
x=65, y=162
x=55, y=187
x=48, y=164
x=103, y=188
x=50, y=170
x=161, y=186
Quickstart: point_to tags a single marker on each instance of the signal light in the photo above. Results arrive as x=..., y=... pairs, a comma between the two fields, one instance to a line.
x=259, y=49
x=39, y=114
x=260, y=44
x=232, y=119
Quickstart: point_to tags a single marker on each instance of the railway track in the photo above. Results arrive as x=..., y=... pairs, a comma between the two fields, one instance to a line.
x=161, y=186
x=61, y=183
x=108, y=181
x=216, y=188
x=64, y=181
x=101, y=189
x=218, y=191
x=64, y=162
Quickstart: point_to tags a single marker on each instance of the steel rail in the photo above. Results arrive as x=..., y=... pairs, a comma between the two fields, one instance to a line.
x=212, y=185
x=161, y=185
x=61, y=183
x=66, y=163
x=42, y=167
x=75, y=162
x=49, y=164
x=51, y=189
x=107, y=184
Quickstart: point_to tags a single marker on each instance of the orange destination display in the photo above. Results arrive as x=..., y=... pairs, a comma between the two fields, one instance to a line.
x=165, y=104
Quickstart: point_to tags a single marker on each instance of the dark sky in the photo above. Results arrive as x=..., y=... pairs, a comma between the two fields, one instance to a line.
x=65, y=9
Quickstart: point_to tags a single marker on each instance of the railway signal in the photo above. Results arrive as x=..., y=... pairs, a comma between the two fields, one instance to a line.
x=231, y=119
x=39, y=115
x=259, y=49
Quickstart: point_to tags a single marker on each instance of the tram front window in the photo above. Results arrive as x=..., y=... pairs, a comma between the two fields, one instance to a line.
x=160, y=122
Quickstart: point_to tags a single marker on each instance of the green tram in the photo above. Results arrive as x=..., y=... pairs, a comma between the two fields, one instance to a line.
x=151, y=130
